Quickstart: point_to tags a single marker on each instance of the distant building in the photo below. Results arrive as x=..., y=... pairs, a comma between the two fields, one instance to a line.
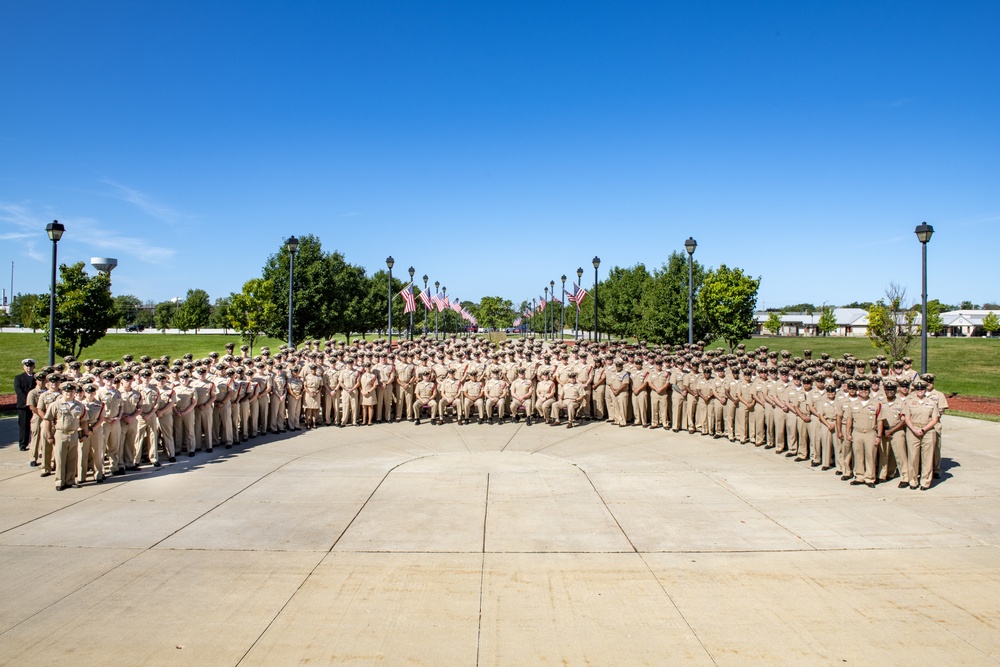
x=854, y=322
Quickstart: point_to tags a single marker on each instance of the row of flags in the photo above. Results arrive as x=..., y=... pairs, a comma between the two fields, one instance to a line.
x=437, y=301
x=440, y=302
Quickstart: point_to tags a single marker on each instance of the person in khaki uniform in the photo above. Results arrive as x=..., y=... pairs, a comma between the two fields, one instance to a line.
x=406, y=382
x=942, y=404
x=350, y=392
x=164, y=410
x=496, y=395
x=640, y=393
x=732, y=383
x=205, y=398
x=862, y=435
x=743, y=392
x=472, y=396
x=146, y=426
x=368, y=388
x=331, y=394
x=451, y=396
x=51, y=395
x=705, y=390
x=678, y=394
x=779, y=398
x=425, y=396
x=892, y=448
x=312, y=386
x=845, y=453
x=572, y=401
x=131, y=400
x=659, y=396
x=90, y=455
x=108, y=394
x=619, y=383
x=921, y=415
x=545, y=395
x=184, y=406
x=67, y=417
x=799, y=400
x=825, y=410
x=522, y=392
x=296, y=388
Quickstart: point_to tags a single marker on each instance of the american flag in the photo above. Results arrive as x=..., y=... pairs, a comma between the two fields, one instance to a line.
x=407, y=294
x=428, y=302
x=443, y=303
x=577, y=295
x=541, y=304
x=516, y=322
x=438, y=302
x=456, y=305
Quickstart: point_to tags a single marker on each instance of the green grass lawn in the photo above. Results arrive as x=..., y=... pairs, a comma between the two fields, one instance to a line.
x=17, y=346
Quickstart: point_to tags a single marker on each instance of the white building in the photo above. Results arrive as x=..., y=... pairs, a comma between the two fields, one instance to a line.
x=854, y=322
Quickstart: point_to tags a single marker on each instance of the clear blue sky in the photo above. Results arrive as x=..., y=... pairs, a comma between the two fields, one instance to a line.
x=495, y=146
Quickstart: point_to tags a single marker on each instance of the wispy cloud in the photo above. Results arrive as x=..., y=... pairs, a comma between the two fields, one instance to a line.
x=94, y=234
x=143, y=202
x=25, y=226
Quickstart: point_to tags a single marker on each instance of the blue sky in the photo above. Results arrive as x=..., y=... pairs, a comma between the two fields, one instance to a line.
x=496, y=146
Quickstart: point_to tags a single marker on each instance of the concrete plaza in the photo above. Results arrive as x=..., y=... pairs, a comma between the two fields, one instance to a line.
x=501, y=545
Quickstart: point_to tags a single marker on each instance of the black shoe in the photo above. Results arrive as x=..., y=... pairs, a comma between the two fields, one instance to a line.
x=857, y=482
x=99, y=480
x=847, y=477
x=76, y=485
x=825, y=468
x=33, y=464
x=528, y=422
x=789, y=455
x=60, y=487
x=937, y=475
x=417, y=423
x=173, y=459
x=491, y=421
x=870, y=485
x=903, y=485
x=814, y=464
x=190, y=455
x=768, y=446
x=157, y=464
x=229, y=446
x=209, y=450
x=120, y=471
x=23, y=449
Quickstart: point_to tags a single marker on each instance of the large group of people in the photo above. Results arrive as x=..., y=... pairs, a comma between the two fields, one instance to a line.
x=868, y=420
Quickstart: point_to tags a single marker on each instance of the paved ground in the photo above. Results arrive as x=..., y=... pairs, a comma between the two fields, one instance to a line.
x=501, y=545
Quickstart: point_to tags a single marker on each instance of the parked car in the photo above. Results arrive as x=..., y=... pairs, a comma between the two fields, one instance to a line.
x=135, y=328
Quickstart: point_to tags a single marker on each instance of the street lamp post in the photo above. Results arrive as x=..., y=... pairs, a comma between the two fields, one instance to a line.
x=562, y=308
x=597, y=334
x=924, y=233
x=389, y=261
x=690, y=245
x=411, y=271
x=426, y=312
x=579, y=280
x=545, y=316
x=437, y=286
x=444, y=295
x=552, y=325
x=292, y=244
x=55, y=231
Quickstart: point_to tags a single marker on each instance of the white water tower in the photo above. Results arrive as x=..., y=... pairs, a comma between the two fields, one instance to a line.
x=104, y=264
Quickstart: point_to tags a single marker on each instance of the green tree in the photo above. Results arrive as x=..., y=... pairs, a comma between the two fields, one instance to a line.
x=935, y=324
x=495, y=312
x=773, y=323
x=891, y=325
x=664, y=303
x=619, y=300
x=5, y=319
x=252, y=311
x=991, y=323
x=729, y=299
x=127, y=308
x=968, y=305
x=220, y=314
x=84, y=309
x=163, y=315
x=195, y=312
x=863, y=305
x=329, y=293
x=827, y=322
x=24, y=310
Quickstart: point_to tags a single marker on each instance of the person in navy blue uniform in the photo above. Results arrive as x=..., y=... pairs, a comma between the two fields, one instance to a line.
x=24, y=383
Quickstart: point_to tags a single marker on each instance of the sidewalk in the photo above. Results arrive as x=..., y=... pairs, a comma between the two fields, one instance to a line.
x=501, y=545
